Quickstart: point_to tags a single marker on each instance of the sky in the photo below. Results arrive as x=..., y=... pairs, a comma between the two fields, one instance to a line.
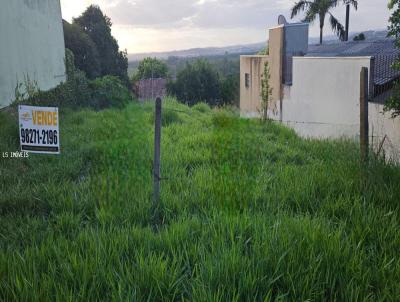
x=163, y=25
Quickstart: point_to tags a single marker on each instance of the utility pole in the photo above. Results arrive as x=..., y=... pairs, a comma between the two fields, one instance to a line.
x=152, y=81
x=346, y=37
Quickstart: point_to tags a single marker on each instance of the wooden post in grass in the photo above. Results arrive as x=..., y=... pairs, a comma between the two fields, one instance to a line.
x=157, y=151
x=364, y=125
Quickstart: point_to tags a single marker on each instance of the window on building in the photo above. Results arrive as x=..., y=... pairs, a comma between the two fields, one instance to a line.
x=247, y=80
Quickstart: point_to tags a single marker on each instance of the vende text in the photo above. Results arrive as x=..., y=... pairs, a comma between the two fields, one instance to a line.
x=45, y=118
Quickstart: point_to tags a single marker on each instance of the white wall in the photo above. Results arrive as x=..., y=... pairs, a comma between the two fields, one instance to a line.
x=323, y=102
x=324, y=98
x=385, y=132
x=32, y=44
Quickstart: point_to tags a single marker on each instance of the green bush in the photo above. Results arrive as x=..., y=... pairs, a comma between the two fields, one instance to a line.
x=202, y=107
x=168, y=117
x=223, y=119
x=197, y=82
x=360, y=37
x=230, y=90
x=151, y=68
x=108, y=91
x=72, y=93
x=78, y=91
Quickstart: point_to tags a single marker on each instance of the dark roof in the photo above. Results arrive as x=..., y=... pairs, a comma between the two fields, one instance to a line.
x=354, y=49
x=384, y=51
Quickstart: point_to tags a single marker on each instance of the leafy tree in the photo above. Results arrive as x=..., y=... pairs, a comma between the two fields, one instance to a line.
x=319, y=9
x=230, y=89
x=197, y=82
x=98, y=27
x=393, y=103
x=85, y=52
x=360, y=37
x=151, y=68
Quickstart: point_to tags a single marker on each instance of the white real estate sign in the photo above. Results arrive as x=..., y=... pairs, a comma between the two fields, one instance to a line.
x=38, y=129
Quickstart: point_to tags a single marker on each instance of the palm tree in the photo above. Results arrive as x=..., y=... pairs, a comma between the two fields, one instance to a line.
x=320, y=8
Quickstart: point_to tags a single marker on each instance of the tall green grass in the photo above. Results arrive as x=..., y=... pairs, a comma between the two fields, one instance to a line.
x=248, y=211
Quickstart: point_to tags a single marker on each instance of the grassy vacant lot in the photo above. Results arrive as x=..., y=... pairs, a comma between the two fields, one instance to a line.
x=249, y=212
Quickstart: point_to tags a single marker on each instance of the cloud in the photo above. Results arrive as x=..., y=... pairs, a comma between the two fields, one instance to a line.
x=152, y=13
x=197, y=13
x=138, y=40
x=179, y=24
x=238, y=14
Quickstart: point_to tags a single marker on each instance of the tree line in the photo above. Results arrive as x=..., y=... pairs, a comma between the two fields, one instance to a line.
x=197, y=81
x=97, y=54
x=96, y=51
x=97, y=71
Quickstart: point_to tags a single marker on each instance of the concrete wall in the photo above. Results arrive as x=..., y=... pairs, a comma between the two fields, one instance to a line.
x=276, y=44
x=323, y=102
x=250, y=97
x=324, y=98
x=32, y=45
x=384, y=132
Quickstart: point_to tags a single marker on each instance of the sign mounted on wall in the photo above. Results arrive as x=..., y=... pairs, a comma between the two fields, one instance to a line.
x=38, y=129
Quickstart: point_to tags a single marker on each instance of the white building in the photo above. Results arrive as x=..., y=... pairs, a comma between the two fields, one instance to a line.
x=32, y=46
x=316, y=88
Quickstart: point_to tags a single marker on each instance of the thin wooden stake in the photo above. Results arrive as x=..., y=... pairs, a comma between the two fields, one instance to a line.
x=364, y=125
x=157, y=151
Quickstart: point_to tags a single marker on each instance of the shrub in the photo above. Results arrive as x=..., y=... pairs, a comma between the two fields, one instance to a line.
x=108, y=91
x=266, y=91
x=151, y=68
x=360, y=37
x=78, y=91
x=202, y=107
x=25, y=89
x=223, y=119
x=72, y=93
x=230, y=90
x=197, y=82
x=168, y=117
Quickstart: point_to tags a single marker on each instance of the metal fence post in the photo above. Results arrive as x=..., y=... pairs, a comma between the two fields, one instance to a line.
x=364, y=125
x=157, y=151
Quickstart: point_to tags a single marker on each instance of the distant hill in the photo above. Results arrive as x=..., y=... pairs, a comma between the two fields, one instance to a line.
x=201, y=52
x=241, y=49
x=369, y=35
